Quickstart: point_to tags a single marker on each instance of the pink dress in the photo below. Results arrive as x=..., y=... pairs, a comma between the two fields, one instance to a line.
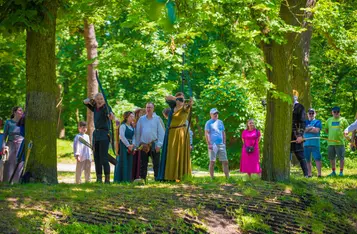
x=249, y=162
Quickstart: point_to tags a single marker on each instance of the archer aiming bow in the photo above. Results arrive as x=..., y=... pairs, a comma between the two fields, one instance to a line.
x=110, y=123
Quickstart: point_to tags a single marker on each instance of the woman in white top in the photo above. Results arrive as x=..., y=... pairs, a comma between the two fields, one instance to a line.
x=123, y=169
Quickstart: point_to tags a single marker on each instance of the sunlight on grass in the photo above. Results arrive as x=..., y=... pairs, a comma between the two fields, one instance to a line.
x=65, y=210
x=272, y=200
x=65, y=151
x=87, y=190
x=313, y=204
x=250, y=192
x=24, y=213
x=250, y=222
x=288, y=189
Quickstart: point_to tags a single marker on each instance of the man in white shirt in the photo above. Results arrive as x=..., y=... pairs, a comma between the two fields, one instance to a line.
x=150, y=136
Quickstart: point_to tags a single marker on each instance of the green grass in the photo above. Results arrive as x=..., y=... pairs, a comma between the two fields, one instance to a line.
x=65, y=151
x=248, y=205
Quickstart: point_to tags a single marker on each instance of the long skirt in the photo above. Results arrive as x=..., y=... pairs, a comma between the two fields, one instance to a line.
x=10, y=164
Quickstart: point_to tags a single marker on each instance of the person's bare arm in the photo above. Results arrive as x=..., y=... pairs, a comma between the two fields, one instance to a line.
x=224, y=137
x=208, y=139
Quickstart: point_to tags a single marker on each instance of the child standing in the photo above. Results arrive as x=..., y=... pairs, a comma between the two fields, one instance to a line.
x=82, y=153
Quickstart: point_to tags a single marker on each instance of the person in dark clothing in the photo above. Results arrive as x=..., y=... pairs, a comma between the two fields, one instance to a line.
x=298, y=129
x=101, y=138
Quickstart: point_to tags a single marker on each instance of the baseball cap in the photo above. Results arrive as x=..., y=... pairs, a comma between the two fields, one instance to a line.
x=311, y=110
x=335, y=108
x=213, y=110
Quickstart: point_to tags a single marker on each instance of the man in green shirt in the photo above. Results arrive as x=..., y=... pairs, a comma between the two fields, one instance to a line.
x=334, y=127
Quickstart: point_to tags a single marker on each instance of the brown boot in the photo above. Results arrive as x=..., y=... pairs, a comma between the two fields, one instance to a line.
x=107, y=179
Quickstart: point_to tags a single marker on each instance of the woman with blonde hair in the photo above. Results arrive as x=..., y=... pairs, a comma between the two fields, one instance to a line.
x=249, y=162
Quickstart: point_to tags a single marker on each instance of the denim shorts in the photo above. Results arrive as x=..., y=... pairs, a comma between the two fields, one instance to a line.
x=314, y=151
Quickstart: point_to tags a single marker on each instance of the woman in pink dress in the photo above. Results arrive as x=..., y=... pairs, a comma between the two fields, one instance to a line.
x=249, y=162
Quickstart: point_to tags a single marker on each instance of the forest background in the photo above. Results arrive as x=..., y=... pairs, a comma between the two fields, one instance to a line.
x=140, y=59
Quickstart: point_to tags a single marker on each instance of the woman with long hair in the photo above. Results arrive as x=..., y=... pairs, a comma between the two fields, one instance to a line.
x=123, y=169
x=249, y=162
x=13, y=139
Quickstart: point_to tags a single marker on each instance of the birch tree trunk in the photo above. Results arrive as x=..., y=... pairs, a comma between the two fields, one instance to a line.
x=92, y=85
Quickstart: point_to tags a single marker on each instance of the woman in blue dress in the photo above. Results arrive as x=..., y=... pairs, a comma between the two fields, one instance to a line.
x=123, y=169
x=13, y=140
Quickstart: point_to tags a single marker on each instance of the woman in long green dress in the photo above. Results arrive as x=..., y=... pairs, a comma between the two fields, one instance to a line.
x=178, y=161
x=123, y=169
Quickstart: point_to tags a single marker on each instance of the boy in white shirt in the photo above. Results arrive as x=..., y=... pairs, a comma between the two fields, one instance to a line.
x=82, y=153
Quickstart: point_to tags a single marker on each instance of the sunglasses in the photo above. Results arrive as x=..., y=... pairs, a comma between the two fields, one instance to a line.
x=311, y=113
x=179, y=99
x=336, y=112
x=215, y=113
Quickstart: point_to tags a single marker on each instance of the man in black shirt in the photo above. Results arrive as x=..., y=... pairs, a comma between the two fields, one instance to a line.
x=297, y=133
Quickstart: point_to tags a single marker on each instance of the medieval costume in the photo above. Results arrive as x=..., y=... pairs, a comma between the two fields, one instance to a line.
x=14, y=140
x=178, y=161
x=161, y=176
x=298, y=131
x=101, y=140
x=123, y=169
x=137, y=153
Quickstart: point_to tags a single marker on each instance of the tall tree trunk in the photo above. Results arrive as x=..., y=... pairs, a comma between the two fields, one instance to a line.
x=301, y=75
x=276, y=166
x=41, y=121
x=277, y=135
x=92, y=85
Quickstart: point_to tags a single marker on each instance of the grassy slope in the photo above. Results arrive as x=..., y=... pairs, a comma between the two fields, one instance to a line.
x=327, y=205
x=65, y=151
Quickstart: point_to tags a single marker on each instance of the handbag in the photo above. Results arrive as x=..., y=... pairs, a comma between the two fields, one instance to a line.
x=250, y=149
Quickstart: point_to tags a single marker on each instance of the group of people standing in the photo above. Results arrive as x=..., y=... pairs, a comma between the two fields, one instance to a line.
x=169, y=147
x=142, y=138
x=306, y=138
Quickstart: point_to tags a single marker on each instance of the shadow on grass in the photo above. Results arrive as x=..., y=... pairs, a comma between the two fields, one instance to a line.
x=199, y=204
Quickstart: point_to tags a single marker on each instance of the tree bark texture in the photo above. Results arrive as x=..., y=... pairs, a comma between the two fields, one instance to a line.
x=41, y=121
x=92, y=84
x=277, y=135
x=276, y=166
x=301, y=75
